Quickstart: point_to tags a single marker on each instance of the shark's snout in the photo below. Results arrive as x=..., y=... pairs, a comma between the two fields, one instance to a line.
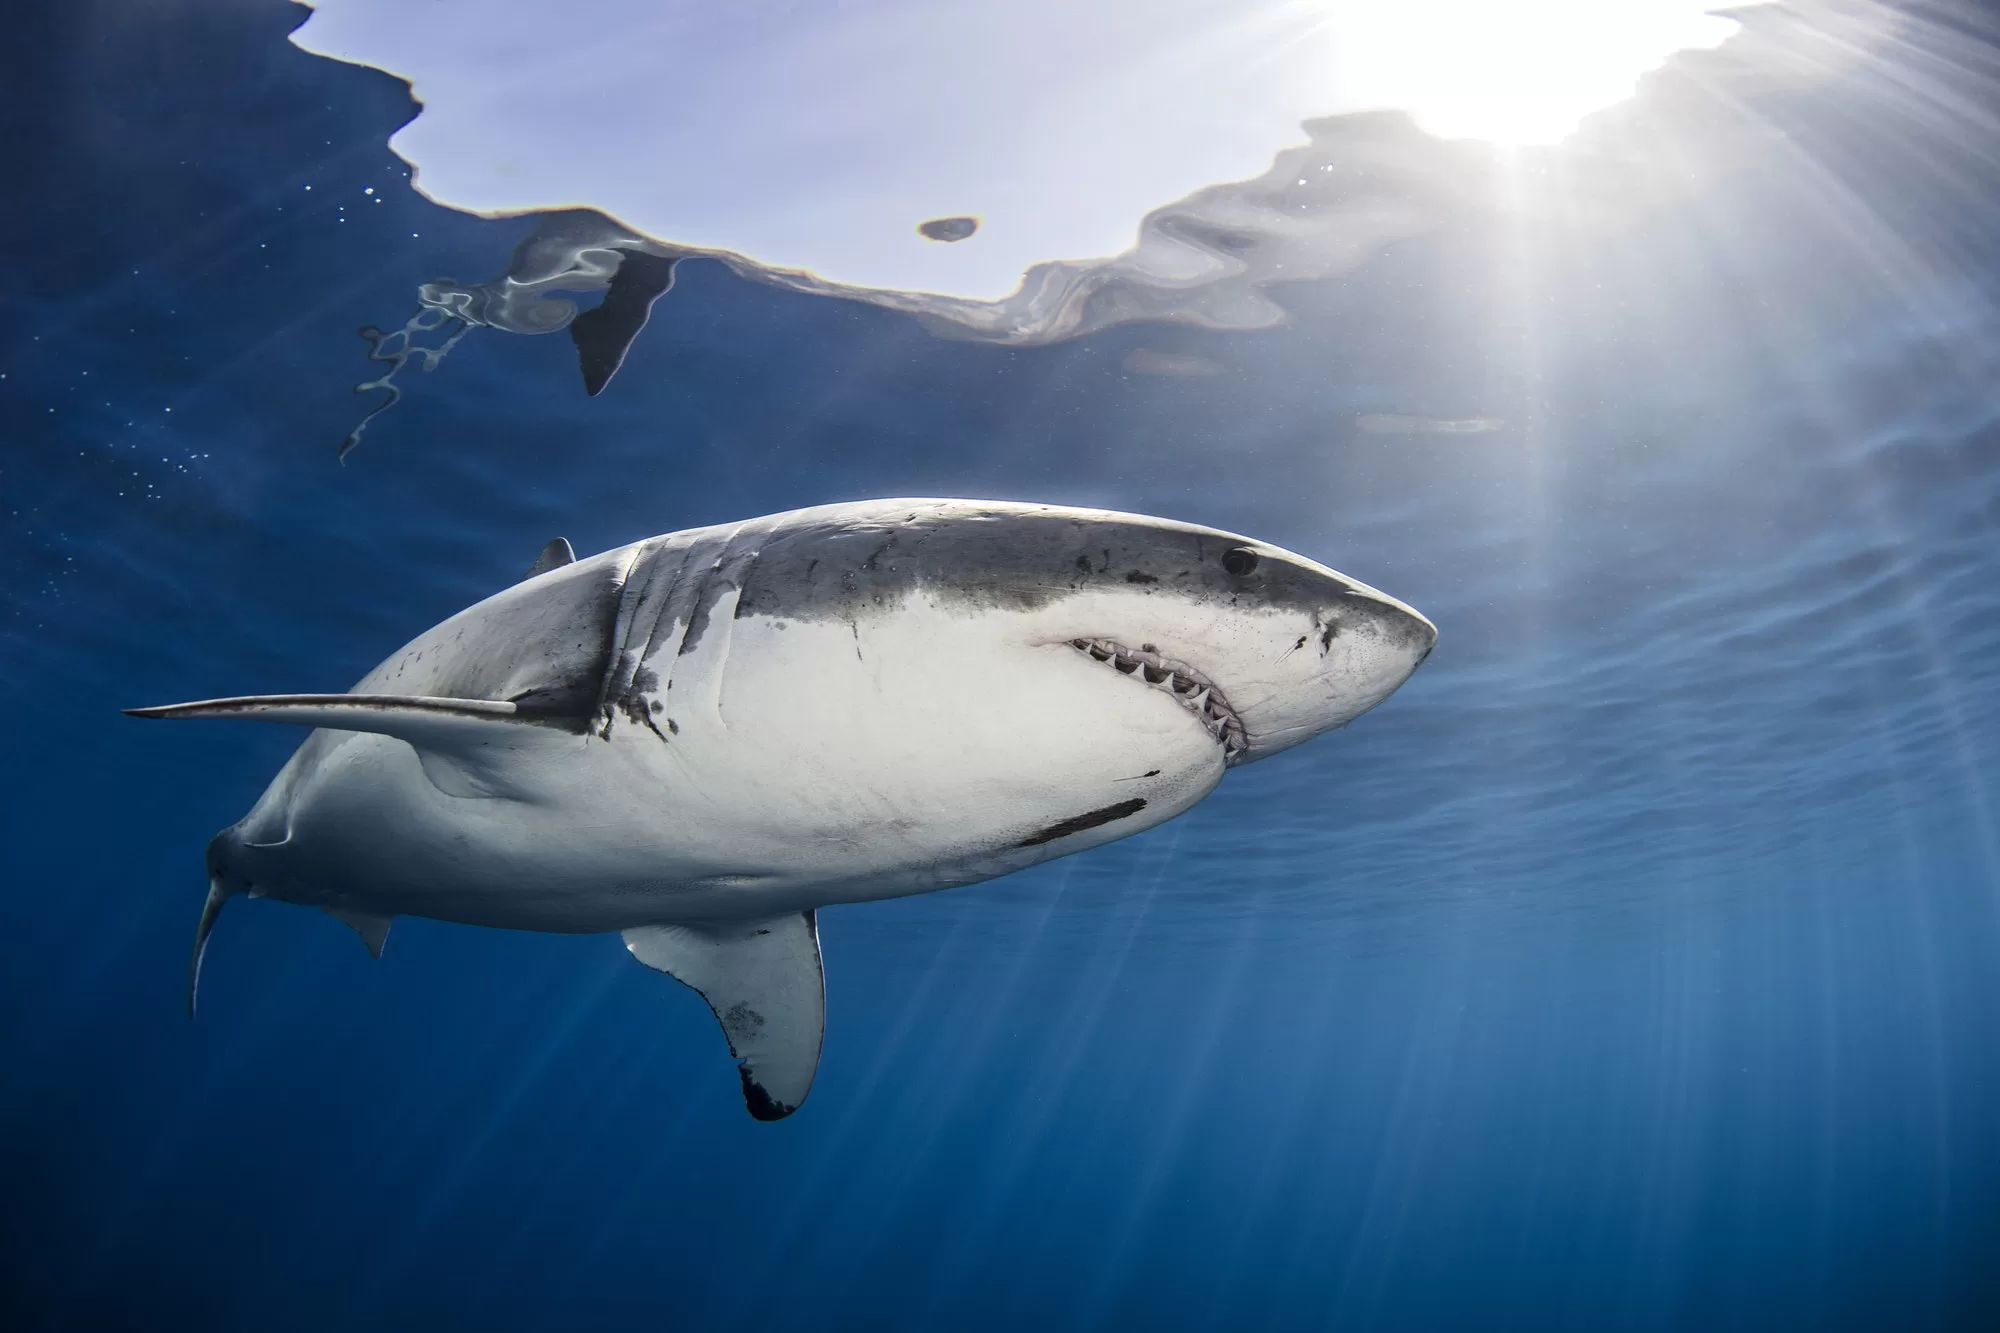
x=1402, y=626
x=1388, y=639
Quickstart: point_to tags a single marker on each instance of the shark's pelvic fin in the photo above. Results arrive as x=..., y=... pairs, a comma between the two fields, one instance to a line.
x=211, y=908
x=554, y=556
x=373, y=930
x=763, y=980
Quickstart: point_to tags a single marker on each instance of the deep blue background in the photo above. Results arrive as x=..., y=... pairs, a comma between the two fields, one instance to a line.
x=1635, y=967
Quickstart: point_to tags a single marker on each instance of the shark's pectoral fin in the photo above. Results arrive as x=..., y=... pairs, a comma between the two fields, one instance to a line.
x=469, y=747
x=763, y=980
x=410, y=717
x=373, y=930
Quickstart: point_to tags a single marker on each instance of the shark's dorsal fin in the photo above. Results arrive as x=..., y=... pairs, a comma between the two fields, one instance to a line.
x=373, y=930
x=763, y=980
x=554, y=556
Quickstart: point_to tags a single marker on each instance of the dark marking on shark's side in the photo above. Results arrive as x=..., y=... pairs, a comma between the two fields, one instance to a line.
x=1079, y=823
x=636, y=704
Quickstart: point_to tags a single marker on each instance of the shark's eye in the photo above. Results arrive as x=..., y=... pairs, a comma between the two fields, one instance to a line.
x=1239, y=560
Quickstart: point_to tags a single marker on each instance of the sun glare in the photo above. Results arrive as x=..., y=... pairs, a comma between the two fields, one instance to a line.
x=1526, y=72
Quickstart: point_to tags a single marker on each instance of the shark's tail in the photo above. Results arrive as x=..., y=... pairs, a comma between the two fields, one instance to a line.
x=211, y=908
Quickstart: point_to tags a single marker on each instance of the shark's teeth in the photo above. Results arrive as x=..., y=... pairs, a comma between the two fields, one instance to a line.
x=1189, y=688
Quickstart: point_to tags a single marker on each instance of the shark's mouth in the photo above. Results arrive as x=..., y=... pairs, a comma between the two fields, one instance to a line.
x=1188, y=687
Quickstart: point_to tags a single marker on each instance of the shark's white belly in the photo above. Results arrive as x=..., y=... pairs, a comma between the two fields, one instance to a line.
x=786, y=765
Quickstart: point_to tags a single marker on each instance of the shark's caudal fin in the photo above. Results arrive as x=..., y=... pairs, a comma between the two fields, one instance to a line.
x=211, y=908
x=373, y=930
x=763, y=980
x=554, y=556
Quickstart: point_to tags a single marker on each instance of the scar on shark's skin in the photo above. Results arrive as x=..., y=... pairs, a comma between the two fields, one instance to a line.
x=1093, y=819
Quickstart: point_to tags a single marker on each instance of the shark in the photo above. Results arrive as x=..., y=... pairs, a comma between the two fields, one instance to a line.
x=701, y=739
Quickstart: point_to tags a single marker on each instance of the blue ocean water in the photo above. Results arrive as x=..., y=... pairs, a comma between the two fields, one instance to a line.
x=1632, y=968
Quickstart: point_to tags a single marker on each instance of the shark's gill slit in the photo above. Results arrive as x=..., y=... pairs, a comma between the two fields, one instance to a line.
x=1189, y=688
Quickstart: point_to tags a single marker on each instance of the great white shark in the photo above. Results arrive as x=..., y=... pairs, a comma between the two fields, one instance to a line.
x=700, y=739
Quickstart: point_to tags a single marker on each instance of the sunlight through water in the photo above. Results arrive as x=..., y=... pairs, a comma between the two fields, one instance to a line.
x=948, y=148
x=1521, y=73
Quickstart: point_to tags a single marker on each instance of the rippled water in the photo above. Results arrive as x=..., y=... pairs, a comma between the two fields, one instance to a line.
x=1631, y=968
